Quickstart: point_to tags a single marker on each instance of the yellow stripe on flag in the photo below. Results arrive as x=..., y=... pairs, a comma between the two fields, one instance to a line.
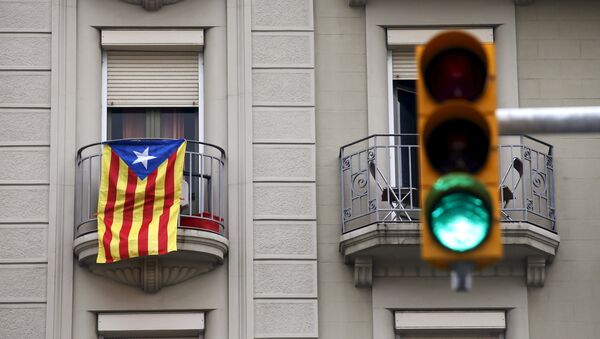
x=159, y=201
x=138, y=215
x=119, y=207
x=175, y=209
x=102, y=198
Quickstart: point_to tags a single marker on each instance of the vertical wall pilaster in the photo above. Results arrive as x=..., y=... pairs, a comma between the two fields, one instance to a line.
x=283, y=167
x=61, y=170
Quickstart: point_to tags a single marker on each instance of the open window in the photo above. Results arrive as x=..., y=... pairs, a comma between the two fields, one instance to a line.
x=153, y=84
x=402, y=107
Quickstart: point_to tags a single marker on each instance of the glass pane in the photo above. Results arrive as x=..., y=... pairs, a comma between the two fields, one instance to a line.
x=127, y=123
x=179, y=123
x=406, y=118
x=406, y=123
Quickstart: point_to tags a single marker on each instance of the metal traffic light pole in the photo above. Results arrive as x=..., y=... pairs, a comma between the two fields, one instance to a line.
x=548, y=120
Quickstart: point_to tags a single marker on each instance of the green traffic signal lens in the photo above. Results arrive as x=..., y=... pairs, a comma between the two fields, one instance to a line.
x=458, y=212
x=460, y=221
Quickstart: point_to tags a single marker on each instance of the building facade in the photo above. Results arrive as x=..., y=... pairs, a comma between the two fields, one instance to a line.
x=301, y=214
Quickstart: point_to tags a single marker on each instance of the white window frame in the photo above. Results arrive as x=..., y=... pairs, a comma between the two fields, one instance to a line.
x=415, y=36
x=404, y=37
x=140, y=324
x=164, y=40
x=461, y=322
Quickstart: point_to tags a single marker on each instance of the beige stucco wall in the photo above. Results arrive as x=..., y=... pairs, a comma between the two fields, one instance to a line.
x=559, y=65
x=25, y=116
x=206, y=292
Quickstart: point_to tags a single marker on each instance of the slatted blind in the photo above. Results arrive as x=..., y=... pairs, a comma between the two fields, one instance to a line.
x=152, y=79
x=404, y=66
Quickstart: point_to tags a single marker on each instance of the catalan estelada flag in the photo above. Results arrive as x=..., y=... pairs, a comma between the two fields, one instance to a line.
x=138, y=204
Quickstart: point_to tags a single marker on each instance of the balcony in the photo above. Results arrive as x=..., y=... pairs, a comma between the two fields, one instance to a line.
x=380, y=204
x=201, y=233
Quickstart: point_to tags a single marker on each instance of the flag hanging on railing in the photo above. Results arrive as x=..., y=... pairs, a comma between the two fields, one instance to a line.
x=138, y=204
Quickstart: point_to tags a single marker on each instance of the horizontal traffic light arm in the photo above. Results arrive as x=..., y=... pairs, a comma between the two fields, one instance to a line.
x=548, y=120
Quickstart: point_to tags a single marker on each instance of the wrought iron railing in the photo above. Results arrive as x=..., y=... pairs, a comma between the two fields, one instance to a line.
x=380, y=181
x=202, y=194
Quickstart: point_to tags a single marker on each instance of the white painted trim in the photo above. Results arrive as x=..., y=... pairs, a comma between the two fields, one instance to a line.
x=171, y=40
x=140, y=323
x=104, y=118
x=491, y=321
x=411, y=36
x=201, y=100
x=390, y=96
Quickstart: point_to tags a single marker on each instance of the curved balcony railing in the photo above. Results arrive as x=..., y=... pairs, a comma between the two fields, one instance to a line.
x=380, y=181
x=202, y=192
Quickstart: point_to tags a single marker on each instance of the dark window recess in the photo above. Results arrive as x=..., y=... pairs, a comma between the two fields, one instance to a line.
x=405, y=123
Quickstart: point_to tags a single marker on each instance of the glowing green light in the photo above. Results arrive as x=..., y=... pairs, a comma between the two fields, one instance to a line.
x=458, y=212
x=460, y=221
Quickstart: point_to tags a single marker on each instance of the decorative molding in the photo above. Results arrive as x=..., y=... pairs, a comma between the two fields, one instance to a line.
x=536, y=271
x=198, y=252
x=151, y=5
x=151, y=274
x=363, y=272
x=359, y=3
x=418, y=269
x=240, y=190
x=356, y=242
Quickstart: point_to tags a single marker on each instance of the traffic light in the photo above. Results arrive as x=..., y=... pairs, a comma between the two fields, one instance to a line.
x=458, y=154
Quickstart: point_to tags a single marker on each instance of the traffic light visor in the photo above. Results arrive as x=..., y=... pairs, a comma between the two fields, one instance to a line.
x=459, y=212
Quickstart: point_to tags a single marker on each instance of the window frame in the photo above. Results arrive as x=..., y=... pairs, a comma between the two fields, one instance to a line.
x=411, y=37
x=163, y=40
x=137, y=324
x=435, y=323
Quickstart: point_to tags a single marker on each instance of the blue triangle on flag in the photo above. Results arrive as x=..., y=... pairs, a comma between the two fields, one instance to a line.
x=144, y=156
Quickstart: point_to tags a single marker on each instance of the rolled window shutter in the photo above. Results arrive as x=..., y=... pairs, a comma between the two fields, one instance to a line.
x=404, y=66
x=152, y=79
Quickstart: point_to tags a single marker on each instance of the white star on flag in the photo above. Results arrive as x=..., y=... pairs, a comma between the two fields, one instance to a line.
x=143, y=157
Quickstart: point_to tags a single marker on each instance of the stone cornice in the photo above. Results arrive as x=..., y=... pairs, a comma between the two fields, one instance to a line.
x=523, y=242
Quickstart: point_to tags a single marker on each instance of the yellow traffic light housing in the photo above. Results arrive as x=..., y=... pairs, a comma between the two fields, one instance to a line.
x=458, y=153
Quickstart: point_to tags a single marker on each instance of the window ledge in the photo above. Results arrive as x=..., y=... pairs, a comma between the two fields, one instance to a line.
x=381, y=242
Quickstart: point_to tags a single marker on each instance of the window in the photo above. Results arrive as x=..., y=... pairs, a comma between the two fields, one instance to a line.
x=450, y=324
x=153, y=88
x=402, y=73
x=402, y=78
x=153, y=84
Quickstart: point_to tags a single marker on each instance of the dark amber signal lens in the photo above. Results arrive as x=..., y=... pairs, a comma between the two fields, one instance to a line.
x=457, y=145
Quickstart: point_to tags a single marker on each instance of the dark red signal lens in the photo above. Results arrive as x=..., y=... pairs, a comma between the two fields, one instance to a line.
x=455, y=74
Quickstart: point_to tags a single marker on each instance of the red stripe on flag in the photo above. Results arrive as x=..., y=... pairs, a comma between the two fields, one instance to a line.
x=113, y=177
x=148, y=213
x=127, y=214
x=169, y=199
